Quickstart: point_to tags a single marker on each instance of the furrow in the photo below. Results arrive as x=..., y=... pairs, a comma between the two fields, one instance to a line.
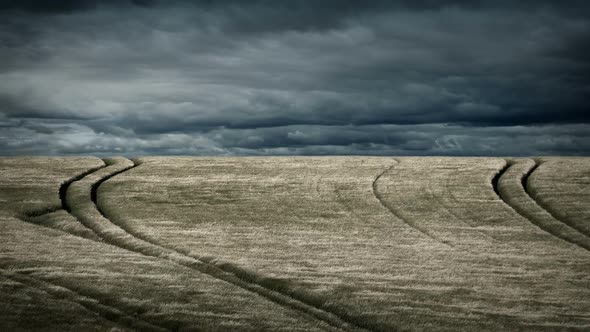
x=497, y=177
x=82, y=199
x=28, y=215
x=64, y=186
x=43, y=217
x=511, y=186
x=91, y=304
x=441, y=204
x=393, y=211
x=525, y=179
x=530, y=190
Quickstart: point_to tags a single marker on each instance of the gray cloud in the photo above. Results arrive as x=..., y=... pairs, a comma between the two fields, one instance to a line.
x=300, y=77
x=432, y=139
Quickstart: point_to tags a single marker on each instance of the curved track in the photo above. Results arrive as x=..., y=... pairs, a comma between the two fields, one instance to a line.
x=107, y=312
x=393, y=211
x=81, y=198
x=42, y=217
x=582, y=227
x=115, y=235
x=511, y=186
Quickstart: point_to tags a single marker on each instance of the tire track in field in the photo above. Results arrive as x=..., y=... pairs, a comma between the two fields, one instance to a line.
x=337, y=191
x=66, y=184
x=510, y=185
x=53, y=220
x=497, y=177
x=93, y=305
x=35, y=217
x=394, y=212
x=470, y=223
x=39, y=217
x=83, y=203
x=28, y=215
x=440, y=203
x=526, y=185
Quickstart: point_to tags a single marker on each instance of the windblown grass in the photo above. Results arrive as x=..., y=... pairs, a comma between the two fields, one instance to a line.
x=313, y=227
x=562, y=187
x=290, y=244
x=512, y=188
x=154, y=291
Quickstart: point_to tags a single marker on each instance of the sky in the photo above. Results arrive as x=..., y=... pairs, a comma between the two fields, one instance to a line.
x=300, y=77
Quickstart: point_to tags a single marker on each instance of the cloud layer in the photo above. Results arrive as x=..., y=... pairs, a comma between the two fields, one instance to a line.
x=303, y=77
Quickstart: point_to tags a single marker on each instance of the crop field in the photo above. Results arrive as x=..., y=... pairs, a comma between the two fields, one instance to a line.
x=294, y=244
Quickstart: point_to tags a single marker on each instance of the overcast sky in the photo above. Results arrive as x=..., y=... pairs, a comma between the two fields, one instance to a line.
x=294, y=77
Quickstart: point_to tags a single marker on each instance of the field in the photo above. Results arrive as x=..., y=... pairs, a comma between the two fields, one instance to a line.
x=295, y=244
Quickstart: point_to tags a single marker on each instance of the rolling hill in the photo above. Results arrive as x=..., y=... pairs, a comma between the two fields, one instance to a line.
x=295, y=244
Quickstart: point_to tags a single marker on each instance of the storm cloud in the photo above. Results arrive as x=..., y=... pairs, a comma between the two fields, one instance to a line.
x=295, y=77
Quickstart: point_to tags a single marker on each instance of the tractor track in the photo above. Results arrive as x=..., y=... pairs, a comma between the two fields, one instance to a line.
x=64, y=186
x=139, y=243
x=122, y=237
x=525, y=180
x=526, y=185
x=392, y=210
x=339, y=198
x=520, y=200
x=497, y=177
x=175, y=256
x=94, y=305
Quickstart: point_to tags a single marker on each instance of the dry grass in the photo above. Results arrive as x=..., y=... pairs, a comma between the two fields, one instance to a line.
x=315, y=227
x=562, y=186
x=514, y=188
x=292, y=244
x=120, y=283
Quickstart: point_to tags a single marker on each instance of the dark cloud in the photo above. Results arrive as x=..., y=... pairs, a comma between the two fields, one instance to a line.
x=64, y=6
x=316, y=77
x=58, y=138
x=21, y=107
x=325, y=5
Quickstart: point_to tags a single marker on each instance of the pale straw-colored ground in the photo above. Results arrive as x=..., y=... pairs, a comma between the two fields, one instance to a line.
x=378, y=243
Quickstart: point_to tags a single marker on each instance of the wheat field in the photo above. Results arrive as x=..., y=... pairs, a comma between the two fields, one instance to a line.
x=295, y=244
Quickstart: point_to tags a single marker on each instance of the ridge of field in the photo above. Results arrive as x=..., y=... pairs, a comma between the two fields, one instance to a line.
x=55, y=281
x=316, y=227
x=513, y=184
x=562, y=187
